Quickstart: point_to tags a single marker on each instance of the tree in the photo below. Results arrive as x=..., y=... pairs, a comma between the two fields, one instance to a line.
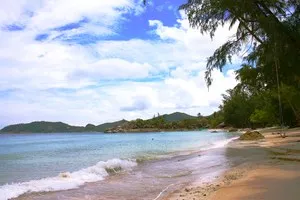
x=237, y=108
x=199, y=115
x=271, y=25
x=259, y=117
x=268, y=34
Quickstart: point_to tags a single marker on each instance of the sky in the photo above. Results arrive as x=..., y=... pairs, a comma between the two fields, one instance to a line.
x=95, y=61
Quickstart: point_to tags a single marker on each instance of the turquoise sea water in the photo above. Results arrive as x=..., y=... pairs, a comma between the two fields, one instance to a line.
x=52, y=162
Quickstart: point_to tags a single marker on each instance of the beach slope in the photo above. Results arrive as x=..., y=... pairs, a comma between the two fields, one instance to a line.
x=264, y=169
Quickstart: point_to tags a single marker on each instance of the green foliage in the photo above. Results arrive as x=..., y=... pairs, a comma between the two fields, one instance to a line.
x=40, y=127
x=177, y=116
x=248, y=105
x=268, y=33
x=237, y=108
x=105, y=126
x=259, y=116
x=270, y=29
x=161, y=123
x=215, y=119
x=174, y=121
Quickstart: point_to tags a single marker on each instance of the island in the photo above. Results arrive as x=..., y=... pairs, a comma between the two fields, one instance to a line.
x=57, y=127
x=162, y=123
x=174, y=121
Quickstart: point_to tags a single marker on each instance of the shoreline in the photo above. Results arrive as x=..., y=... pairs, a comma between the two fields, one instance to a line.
x=149, y=179
x=140, y=131
x=264, y=169
x=185, y=177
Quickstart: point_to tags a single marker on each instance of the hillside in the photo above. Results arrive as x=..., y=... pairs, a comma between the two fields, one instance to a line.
x=103, y=127
x=57, y=127
x=41, y=127
x=172, y=121
x=177, y=116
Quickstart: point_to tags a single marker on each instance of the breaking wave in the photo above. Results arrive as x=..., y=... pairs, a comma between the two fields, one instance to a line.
x=67, y=180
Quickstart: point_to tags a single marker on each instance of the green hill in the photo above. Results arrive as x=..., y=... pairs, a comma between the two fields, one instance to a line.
x=174, y=120
x=103, y=127
x=57, y=127
x=41, y=127
x=169, y=122
x=177, y=116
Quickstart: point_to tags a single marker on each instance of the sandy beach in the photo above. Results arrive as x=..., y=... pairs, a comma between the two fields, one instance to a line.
x=264, y=169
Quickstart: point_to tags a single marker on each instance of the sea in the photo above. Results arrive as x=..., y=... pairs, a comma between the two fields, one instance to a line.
x=108, y=166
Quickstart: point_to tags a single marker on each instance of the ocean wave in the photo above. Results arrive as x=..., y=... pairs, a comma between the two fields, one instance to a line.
x=220, y=144
x=67, y=180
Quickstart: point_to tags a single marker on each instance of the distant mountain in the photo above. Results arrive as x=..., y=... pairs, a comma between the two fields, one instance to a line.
x=41, y=127
x=169, y=122
x=57, y=127
x=177, y=116
x=104, y=127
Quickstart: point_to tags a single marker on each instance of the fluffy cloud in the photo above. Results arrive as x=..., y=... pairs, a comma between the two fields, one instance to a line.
x=107, y=69
x=105, y=81
x=140, y=103
x=47, y=14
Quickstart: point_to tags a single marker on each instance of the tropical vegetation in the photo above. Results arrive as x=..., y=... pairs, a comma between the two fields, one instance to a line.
x=267, y=34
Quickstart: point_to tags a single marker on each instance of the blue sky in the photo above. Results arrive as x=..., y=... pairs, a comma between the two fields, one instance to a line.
x=91, y=61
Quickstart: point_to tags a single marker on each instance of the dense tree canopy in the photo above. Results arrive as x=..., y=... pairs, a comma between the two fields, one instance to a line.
x=270, y=29
x=268, y=34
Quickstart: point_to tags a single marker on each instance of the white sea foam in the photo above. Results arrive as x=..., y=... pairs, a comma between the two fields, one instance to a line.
x=66, y=180
x=221, y=144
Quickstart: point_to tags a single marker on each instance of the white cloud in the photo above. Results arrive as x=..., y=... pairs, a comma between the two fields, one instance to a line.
x=47, y=14
x=16, y=11
x=128, y=100
x=54, y=81
x=108, y=69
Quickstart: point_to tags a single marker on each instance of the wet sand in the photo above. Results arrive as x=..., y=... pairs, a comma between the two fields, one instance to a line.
x=265, y=169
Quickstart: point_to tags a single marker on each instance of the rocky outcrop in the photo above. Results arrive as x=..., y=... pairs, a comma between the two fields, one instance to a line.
x=232, y=130
x=252, y=135
x=117, y=129
x=222, y=125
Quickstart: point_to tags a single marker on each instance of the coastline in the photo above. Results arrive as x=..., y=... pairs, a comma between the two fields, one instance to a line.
x=241, y=170
x=100, y=170
x=264, y=169
x=175, y=170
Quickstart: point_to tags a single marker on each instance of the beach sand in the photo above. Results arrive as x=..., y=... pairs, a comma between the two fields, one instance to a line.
x=265, y=169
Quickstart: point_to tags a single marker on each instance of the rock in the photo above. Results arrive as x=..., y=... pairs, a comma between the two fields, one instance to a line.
x=222, y=125
x=232, y=130
x=252, y=135
x=65, y=175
